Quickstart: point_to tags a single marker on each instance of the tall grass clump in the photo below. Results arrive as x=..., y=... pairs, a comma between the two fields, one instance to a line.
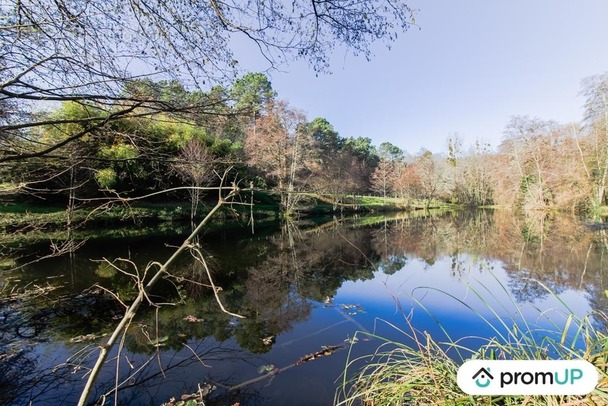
x=420, y=370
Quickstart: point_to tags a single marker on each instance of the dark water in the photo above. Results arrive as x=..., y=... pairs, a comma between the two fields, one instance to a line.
x=299, y=288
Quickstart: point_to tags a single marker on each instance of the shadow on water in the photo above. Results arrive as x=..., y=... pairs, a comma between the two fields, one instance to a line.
x=300, y=288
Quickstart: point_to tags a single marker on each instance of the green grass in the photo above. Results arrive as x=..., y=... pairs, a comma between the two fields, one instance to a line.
x=602, y=211
x=356, y=203
x=20, y=215
x=25, y=208
x=424, y=373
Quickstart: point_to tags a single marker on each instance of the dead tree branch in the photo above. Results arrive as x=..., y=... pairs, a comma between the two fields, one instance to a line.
x=144, y=290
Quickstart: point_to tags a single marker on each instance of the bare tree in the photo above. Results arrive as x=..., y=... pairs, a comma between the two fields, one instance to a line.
x=472, y=181
x=280, y=145
x=567, y=174
x=338, y=174
x=382, y=179
x=595, y=90
x=430, y=177
x=528, y=143
x=195, y=165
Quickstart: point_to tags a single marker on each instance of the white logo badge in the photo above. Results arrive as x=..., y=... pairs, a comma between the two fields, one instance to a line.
x=480, y=377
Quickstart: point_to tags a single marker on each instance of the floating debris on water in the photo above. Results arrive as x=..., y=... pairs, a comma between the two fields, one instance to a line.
x=192, y=399
x=325, y=351
x=268, y=340
x=352, y=309
x=266, y=369
x=193, y=319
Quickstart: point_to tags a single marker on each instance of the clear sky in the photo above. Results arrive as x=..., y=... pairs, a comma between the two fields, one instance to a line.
x=466, y=68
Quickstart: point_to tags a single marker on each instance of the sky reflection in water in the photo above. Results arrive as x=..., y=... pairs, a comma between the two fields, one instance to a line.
x=310, y=288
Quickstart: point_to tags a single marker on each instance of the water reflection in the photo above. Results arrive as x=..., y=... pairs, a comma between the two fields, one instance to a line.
x=289, y=286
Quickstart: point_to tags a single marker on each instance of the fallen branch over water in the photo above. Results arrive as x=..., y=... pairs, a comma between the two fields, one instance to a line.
x=144, y=290
x=323, y=352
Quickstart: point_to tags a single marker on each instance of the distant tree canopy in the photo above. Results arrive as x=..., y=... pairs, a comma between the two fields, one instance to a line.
x=252, y=93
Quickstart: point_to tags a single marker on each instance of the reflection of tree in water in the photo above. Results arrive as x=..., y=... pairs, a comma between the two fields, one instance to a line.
x=200, y=355
x=396, y=240
x=329, y=258
x=391, y=259
x=18, y=372
x=270, y=305
x=271, y=281
x=568, y=256
x=30, y=319
x=525, y=287
x=559, y=251
x=23, y=382
x=299, y=266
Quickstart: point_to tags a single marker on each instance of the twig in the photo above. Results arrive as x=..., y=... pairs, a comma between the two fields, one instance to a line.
x=160, y=363
x=114, y=295
x=306, y=358
x=196, y=355
x=120, y=347
x=201, y=259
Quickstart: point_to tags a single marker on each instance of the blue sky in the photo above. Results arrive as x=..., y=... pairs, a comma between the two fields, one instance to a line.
x=470, y=66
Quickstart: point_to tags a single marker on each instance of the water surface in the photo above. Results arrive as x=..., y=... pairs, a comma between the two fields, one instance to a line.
x=301, y=288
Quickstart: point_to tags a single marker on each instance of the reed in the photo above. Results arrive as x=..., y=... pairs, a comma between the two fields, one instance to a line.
x=423, y=372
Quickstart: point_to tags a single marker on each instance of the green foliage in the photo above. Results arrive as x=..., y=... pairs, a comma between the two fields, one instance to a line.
x=74, y=118
x=119, y=152
x=105, y=270
x=390, y=152
x=324, y=133
x=170, y=92
x=106, y=178
x=222, y=147
x=176, y=134
x=362, y=148
x=259, y=182
x=252, y=92
x=526, y=182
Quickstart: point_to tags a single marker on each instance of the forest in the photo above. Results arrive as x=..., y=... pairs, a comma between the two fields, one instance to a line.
x=86, y=150
x=109, y=100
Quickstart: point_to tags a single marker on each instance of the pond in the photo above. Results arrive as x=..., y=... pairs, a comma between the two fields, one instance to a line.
x=312, y=296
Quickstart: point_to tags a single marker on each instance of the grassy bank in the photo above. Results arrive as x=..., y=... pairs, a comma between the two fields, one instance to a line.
x=326, y=204
x=22, y=223
x=22, y=217
x=25, y=224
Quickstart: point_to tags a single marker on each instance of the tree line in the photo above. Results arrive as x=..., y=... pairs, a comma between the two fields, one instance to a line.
x=539, y=164
x=106, y=98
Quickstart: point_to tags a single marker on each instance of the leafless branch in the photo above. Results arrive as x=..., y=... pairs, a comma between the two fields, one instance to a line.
x=131, y=311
